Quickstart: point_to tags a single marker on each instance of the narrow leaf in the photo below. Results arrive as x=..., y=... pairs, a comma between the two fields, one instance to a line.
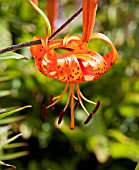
x=9, y=140
x=4, y=164
x=6, y=93
x=13, y=111
x=5, y=78
x=7, y=109
x=44, y=17
x=13, y=155
x=11, y=120
x=137, y=167
x=10, y=55
x=15, y=145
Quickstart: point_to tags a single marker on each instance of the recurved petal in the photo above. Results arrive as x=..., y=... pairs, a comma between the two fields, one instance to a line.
x=89, y=13
x=113, y=55
x=37, y=50
x=52, y=11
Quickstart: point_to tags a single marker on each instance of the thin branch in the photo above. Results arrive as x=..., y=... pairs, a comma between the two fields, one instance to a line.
x=30, y=43
x=65, y=24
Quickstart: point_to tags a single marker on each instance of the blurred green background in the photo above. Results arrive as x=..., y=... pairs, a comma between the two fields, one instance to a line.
x=111, y=140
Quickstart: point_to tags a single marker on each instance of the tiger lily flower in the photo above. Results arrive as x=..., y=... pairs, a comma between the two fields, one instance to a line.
x=77, y=65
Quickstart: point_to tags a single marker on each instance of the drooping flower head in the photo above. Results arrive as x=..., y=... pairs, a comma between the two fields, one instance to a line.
x=78, y=64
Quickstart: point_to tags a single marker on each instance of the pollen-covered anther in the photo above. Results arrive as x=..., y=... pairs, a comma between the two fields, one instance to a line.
x=92, y=113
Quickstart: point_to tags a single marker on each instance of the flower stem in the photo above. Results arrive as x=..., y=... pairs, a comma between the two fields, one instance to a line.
x=30, y=43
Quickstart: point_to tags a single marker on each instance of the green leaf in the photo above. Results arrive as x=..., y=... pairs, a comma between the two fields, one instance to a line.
x=5, y=78
x=4, y=164
x=15, y=145
x=9, y=140
x=12, y=55
x=44, y=17
x=13, y=111
x=11, y=120
x=7, y=109
x=13, y=155
x=120, y=150
x=6, y=93
x=137, y=167
x=123, y=146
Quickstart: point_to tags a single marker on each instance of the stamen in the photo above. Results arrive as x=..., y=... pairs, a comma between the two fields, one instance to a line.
x=72, y=106
x=63, y=111
x=52, y=101
x=62, y=94
x=77, y=104
x=44, y=111
x=68, y=100
x=60, y=116
x=79, y=98
x=92, y=113
x=97, y=106
x=89, y=101
x=75, y=97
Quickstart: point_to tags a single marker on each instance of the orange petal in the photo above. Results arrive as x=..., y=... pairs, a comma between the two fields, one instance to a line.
x=113, y=55
x=89, y=13
x=52, y=10
x=39, y=49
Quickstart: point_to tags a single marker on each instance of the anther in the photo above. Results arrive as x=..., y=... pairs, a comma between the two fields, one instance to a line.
x=44, y=111
x=77, y=104
x=60, y=116
x=92, y=113
x=52, y=101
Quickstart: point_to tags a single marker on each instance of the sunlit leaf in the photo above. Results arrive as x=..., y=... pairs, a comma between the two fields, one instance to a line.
x=11, y=55
x=5, y=78
x=137, y=167
x=5, y=93
x=119, y=136
x=11, y=120
x=128, y=110
x=9, y=140
x=4, y=164
x=13, y=111
x=13, y=155
x=123, y=147
x=2, y=110
x=14, y=145
x=120, y=150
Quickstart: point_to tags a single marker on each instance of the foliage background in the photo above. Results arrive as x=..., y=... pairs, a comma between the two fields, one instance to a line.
x=111, y=140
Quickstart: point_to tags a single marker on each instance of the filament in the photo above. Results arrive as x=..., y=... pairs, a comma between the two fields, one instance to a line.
x=75, y=97
x=68, y=100
x=79, y=97
x=85, y=99
x=60, y=96
x=72, y=105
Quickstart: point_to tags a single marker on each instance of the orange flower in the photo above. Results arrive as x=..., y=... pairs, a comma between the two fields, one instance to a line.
x=77, y=64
